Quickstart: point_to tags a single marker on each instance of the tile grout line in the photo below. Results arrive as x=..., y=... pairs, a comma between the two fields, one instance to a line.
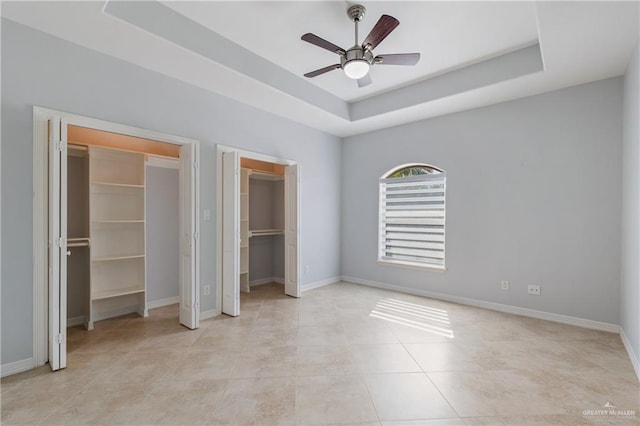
x=429, y=378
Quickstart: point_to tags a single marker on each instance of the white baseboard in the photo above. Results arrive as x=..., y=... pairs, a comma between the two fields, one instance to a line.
x=16, y=367
x=268, y=280
x=205, y=315
x=80, y=320
x=133, y=309
x=322, y=283
x=163, y=302
x=75, y=321
x=303, y=288
x=632, y=355
x=565, y=319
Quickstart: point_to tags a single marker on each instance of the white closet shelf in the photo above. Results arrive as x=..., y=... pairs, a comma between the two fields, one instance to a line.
x=265, y=232
x=110, y=258
x=121, y=185
x=77, y=239
x=116, y=292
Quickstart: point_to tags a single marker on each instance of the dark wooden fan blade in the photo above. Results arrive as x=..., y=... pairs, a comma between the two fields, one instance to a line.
x=320, y=42
x=364, y=81
x=322, y=70
x=380, y=31
x=398, y=59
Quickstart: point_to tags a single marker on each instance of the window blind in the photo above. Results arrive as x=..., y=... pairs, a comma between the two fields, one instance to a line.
x=412, y=219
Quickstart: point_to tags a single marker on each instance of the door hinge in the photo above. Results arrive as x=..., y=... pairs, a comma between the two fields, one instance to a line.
x=195, y=165
x=196, y=306
x=61, y=145
x=59, y=339
x=60, y=242
x=196, y=236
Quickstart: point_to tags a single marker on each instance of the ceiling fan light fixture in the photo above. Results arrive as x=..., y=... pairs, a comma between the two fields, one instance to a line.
x=356, y=61
x=356, y=68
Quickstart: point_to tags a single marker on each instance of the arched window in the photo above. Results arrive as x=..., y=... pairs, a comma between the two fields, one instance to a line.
x=412, y=216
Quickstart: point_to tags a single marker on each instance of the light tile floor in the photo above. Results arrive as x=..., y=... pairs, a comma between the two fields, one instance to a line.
x=341, y=354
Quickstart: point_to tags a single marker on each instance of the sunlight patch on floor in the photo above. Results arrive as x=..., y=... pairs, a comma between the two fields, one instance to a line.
x=424, y=318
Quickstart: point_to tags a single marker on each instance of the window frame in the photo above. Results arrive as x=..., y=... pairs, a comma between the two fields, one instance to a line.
x=438, y=174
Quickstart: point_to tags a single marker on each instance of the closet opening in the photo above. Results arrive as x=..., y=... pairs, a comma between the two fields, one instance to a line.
x=259, y=225
x=109, y=259
x=107, y=186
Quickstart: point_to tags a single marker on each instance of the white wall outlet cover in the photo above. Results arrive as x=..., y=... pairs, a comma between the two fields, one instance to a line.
x=534, y=290
x=504, y=284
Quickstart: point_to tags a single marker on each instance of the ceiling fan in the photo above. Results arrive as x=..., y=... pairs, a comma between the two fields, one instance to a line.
x=356, y=61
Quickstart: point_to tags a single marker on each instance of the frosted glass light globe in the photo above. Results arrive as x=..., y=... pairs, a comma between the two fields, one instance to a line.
x=356, y=68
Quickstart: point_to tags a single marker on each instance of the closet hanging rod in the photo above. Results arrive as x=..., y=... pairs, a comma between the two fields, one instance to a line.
x=79, y=244
x=262, y=175
x=78, y=147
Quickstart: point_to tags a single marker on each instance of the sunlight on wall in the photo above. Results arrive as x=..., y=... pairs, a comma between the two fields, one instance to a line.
x=424, y=318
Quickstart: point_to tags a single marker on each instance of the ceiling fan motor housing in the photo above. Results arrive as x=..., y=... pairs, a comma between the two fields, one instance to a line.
x=356, y=53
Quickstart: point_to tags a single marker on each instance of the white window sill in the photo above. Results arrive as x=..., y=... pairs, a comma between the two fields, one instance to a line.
x=412, y=265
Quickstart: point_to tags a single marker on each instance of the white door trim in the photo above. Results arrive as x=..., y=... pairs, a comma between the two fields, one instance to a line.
x=41, y=211
x=220, y=149
x=291, y=232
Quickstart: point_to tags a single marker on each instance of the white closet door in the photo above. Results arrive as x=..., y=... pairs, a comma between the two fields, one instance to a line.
x=57, y=244
x=189, y=239
x=231, y=233
x=291, y=255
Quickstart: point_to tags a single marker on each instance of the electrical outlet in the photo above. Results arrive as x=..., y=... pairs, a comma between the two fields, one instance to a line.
x=207, y=290
x=534, y=290
x=504, y=284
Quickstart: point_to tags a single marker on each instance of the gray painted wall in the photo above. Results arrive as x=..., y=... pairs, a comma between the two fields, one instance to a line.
x=261, y=211
x=630, y=292
x=260, y=258
x=533, y=197
x=162, y=243
x=86, y=82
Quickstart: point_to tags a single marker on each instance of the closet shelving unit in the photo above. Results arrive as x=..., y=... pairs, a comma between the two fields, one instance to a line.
x=117, y=231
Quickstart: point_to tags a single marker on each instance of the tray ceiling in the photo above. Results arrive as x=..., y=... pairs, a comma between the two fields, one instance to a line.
x=473, y=53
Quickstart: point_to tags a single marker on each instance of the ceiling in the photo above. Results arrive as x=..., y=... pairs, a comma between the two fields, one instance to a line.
x=447, y=34
x=473, y=53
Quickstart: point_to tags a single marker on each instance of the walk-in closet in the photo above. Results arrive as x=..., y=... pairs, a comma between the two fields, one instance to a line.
x=262, y=243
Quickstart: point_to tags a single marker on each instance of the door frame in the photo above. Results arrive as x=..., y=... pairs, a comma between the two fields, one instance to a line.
x=220, y=150
x=41, y=117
